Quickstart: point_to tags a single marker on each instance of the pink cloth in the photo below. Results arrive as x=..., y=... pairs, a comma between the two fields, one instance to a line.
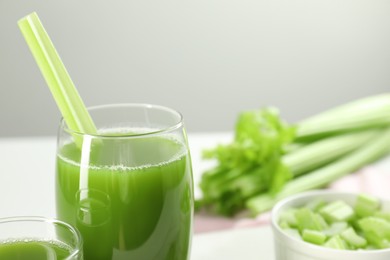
x=207, y=223
x=368, y=180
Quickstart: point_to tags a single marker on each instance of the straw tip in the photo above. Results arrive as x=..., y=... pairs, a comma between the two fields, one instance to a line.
x=29, y=16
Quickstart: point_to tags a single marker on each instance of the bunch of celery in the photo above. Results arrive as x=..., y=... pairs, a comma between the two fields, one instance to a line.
x=269, y=159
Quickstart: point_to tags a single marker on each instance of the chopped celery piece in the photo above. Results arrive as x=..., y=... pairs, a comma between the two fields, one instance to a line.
x=382, y=215
x=336, y=242
x=366, y=205
x=289, y=217
x=313, y=236
x=336, y=228
x=283, y=224
x=377, y=226
x=315, y=205
x=293, y=233
x=375, y=241
x=307, y=219
x=337, y=211
x=353, y=239
x=370, y=247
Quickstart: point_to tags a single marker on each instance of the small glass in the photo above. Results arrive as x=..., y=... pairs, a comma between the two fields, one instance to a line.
x=37, y=238
x=128, y=189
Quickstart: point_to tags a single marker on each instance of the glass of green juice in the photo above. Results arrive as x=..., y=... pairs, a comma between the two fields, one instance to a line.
x=37, y=238
x=128, y=189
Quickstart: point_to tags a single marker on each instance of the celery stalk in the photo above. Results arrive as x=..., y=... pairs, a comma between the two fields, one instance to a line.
x=377, y=148
x=57, y=77
x=361, y=114
x=325, y=151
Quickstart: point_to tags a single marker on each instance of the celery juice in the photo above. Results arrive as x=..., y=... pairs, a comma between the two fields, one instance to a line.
x=30, y=249
x=147, y=209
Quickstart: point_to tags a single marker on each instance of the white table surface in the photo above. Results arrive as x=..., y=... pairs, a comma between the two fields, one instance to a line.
x=27, y=168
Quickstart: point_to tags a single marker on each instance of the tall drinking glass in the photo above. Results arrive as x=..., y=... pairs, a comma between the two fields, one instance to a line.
x=37, y=238
x=129, y=188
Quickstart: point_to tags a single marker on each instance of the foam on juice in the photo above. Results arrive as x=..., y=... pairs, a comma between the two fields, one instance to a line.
x=130, y=133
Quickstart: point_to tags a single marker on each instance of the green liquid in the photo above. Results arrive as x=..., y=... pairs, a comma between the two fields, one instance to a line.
x=146, y=208
x=33, y=250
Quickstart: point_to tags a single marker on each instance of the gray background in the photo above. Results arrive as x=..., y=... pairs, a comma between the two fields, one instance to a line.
x=209, y=59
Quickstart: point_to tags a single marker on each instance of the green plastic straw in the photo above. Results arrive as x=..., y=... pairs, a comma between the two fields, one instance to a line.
x=57, y=78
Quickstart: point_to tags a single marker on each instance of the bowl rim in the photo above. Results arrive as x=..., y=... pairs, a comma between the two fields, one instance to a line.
x=304, y=246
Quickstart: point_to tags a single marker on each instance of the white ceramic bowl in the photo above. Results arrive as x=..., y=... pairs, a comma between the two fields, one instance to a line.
x=290, y=248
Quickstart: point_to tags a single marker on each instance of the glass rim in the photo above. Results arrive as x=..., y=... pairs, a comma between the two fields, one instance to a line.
x=55, y=222
x=170, y=128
